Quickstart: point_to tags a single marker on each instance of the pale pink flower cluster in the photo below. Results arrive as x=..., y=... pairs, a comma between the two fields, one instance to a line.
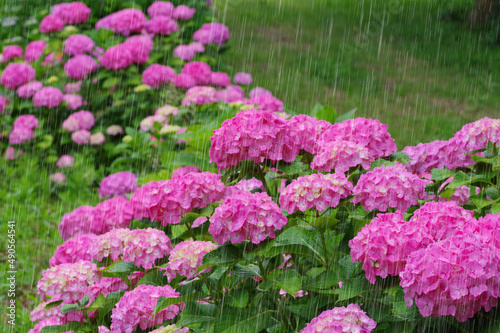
x=426, y=156
x=34, y=50
x=231, y=94
x=220, y=79
x=147, y=124
x=29, y=89
x=249, y=184
x=368, y=132
x=68, y=282
x=242, y=78
x=78, y=44
x=136, y=307
x=81, y=120
x=72, y=250
x=184, y=52
x=46, y=322
x=41, y=312
x=81, y=137
x=51, y=23
x=340, y=155
x=186, y=257
x=316, y=190
x=252, y=135
x=199, y=71
x=114, y=130
x=22, y=129
x=184, y=81
x=112, y=214
x=216, y=33
x=246, y=216
x=118, y=183
x=12, y=52
x=135, y=49
x=182, y=171
x=162, y=25
x=170, y=329
x=161, y=8
x=65, y=161
x=341, y=319
x=258, y=91
x=306, y=130
x=267, y=103
x=17, y=74
x=124, y=22
x=58, y=178
x=49, y=97
x=79, y=221
x=183, y=12
x=157, y=75
x=389, y=186
x=97, y=139
x=109, y=245
x=383, y=245
x=199, y=95
x=73, y=87
x=75, y=12
x=80, y=66
x=456, y=276
x=73, y=101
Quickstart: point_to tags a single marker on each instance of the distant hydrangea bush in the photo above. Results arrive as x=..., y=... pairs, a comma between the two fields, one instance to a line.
x=341, y=319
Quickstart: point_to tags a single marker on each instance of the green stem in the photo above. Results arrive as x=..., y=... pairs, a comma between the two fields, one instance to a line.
x=323, y=241
x=262, y=270
x=262, y=178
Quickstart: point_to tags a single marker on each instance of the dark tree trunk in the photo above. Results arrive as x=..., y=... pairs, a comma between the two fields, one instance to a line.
x=483, y=11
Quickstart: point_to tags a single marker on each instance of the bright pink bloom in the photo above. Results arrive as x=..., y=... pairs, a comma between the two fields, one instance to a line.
x=139, y=46
x=29, y=89
x=12, y=52
x=341, y=319
x=81, y=137
x=220, y=79
x=246, y=216
x=20, y=135
x=73, y=250
x=487, y=228
x=267, y=103
x=144, y=246
x=26, y=121
x=230, y=95
x=34, y=50
x=111, y=214
x=199, y=95
x=183, y=12
x=340, y=155
x=118, y=184
x=184, y=52
x=258, y=91
x=184, y=81
x=49, y=97
x=162, y=25
x=200, y=71
x=3, y=103
x=156, y=75
x=73, y=101
x=161, y=8
x=426, y=156
x=117, y=57
x=17, y=74
x=72, y=13
x=65, y=161
x=242, y=78
x=215, y=32
x=123, y=22
x=305, y=131
x=51, y=23
x=46, y=322
x=80, y=66
x=78, y=44
x=197, y=47
x=81, y=120
x=182, y=171
x=79, y=221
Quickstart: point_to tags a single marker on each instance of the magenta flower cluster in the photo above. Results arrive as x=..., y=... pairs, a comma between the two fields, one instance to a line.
x=72, y=250
x=17, y=74
x=81, y=120
x=340, y=155
x=305, y=131
x=216, y=33
x=341, y=319
x=22, y=129
x=118, y=183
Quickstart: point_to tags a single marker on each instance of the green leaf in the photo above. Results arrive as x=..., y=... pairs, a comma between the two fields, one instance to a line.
x=164, y=302
x=296, y=167
x=65, y=308
x=121, y=267
x=290, y=281
x=53, y=304
x=246, y=271
x=495, y=209
x=441, y=174
x=189, y=218
x=195, y=312
x=379, y=162
x=327, y=113
x=399, y=156
x=492, y=192
x=234, y=320
x=402, y=312
x=108, y=304
x=297, y=240
x=72, y=326
x=315, y=109
x=224, y=255
x=46, y=142
x=110, y=82
x=238, y=298
x=461, y=179
x=480, y=201
x=353, y=288
x=346, y=116
x=324, y=223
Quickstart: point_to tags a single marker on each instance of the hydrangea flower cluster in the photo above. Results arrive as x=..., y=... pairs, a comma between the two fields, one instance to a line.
x=220, y=79
x=316, y=190
x=123, y=22
x=487, y=228
x=12, y=52
x=199, y=95
x=156, y=75
x=109, y=245
x=73, y=101
x=162, y=25
x=81, y=137
x=305, y=131
x=76, y=222
x=118, y=183
x=184, y=52
x=216, y=33
x=171, y=329
x=112, y=214
x=340, y=155
x=231, y=94
x=78, y=44
x=242, y=78
x=68, y=282
x=75, y=12
x=51, y=23
x=246, y=216
x=17, y=74
x=161, y=8
x=341, y=319
x=456, y=276
x=249, y=184
x=426, y=156
x=29, y=89
x=34, y=50
x=80, y=66
x=267, y=103
x=49, y=97
x=81, y=120
x=251, y=135
x=368, y=132
x=183, y=12
x=389, y=186
x=144, y=246
x=182, y=171
x=136, y=307
x=22, y=130
x=199, y=71
x=383, y=245
x=186, y=257
x=41, y=312
x=72, y=250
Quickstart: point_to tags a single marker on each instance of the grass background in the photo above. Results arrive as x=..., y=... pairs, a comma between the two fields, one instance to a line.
x=408, y=63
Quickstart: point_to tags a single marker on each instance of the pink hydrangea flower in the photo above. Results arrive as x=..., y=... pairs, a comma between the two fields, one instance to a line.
x=26, y=121
x=251, y=135
x=123, y=22
x=305, y=131
x=118, y=184
x=183, y=12
x=390, y=186
x=117, y=57
x=81, y=137
x=3, y=103
x=112, y=214
x=161, y=8
x=200, y=71
x=426, y=156
x=341, y=319
x=184, y=81
x=383, y=245
x=368, y=132
x=258, y=91
x=65, y=161
x=242, y=78
x=456, y=276
x=184, y=52
x=49, y=97
x=220, y=79
x=216, y=33
x=78, y=44
x=267, y=103
x=162, y=25
x=73, y=101
x=139, y=46
x=75, y=12
x=79, y=221
x=143, y=198
x=34, y=50
x=246, y=216
x=186, y=257
x=20, y=134
x=72, y=250
x=40, y=312
x=199, y=95
x=182, y=171
x=51, y=59
x=81, y=120
x=197, y=47
x=144, y=246
x=51, y=23
x=80, y=66
x=97, y=139
x=29, y=89
x=10, y=153
x=156, y=75
x=340, y=155
x=72, y=88
x=171, y=329
x=109, y=245
x=12, y=52
x=316, y=190
x=58, y=178
x=17, y=74
x=114, y=130
x=166, y=111
x=230, y=95
x=487, y=228
x=147, y=123
x=249, y=184
x=45, y=322
x=68, y=282
x=136, y=307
